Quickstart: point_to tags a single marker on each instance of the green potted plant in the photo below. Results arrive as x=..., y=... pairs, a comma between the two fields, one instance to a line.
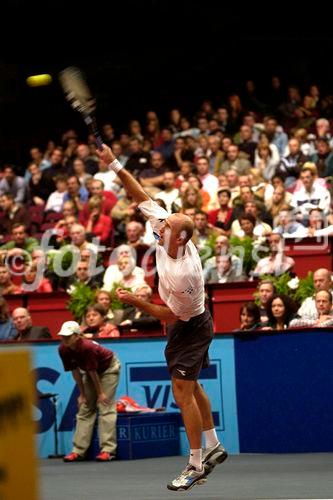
x=81, y=296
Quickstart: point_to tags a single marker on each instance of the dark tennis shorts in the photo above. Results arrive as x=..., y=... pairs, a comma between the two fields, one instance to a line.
x=187, y=348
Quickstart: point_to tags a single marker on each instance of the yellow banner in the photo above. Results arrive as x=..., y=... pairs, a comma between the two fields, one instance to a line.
x=17, y=448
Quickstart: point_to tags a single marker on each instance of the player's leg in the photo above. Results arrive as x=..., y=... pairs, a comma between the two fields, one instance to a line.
x=183, y=391
x=214, y=452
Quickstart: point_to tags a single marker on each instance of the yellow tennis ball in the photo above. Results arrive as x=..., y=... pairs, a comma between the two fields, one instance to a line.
x=39, y=80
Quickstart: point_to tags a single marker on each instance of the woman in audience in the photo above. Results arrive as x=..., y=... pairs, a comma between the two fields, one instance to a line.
x=7, y=328
x=224, y=216
x=40, y=284
x=79, y=169
x=103, y=298
x=264, y=161
x=247, y=224
x=191, y=198
x=98, y=224
x=195, y=182
x=96, y=324
x=249, y=316
x=280, y=310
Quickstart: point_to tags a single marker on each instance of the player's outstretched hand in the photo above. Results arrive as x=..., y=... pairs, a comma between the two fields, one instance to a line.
x=125, y=296
x=106, y=154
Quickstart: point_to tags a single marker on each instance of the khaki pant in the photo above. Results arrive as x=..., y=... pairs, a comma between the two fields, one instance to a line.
x=107, y=414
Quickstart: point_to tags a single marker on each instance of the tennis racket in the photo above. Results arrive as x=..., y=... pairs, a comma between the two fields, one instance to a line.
x=80, y=98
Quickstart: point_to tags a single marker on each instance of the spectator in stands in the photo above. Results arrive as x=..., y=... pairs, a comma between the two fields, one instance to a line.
x=137, y=319
x=167, y=147
x=280, y=311
x=134, y=234
x=138, y=159
x=287, y=226
x=24, y=328
x=323, y=130
x=83, y=275
x=96, y=372
x=7, y=328
x=107, y=176
x=322, y=280
x=323, y=158
x=260, y=229
x=235, y=160
x=223, y=271
x=79, y=241
x=13, y=184
x=129, y=279
x=108, y=134
x=96, y=324
x=38, y=159
x=249, y=316
x=194, y=181
x=39, y=187
x=41, y=285
x=276, y=135
x=202, y=230
x=290, y=165
x=209, y=181
x=170, y=193
x=191, y=198
x=57, y=168
x=104, y=299
x=113, y=273
x=12, y=214
x=83, y=153
x=224, y=216
x=310, y=195
x=20, y=245
x=56, y=199
x=264, y=162
x=214, y=154
x=233, y=183
x=152, y=178
x=265, y=291
x=246, y=144
x=277, y=263
x=246, y=195
x=122, y=213
x=109, y=199
x=222, y=247
x=280, y=199
x=79, y=170
x=323, y=302
x=99, y=225
x=7, y=287
x=76, y=193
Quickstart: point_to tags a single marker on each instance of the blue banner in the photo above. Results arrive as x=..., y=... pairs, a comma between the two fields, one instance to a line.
x=144, y=377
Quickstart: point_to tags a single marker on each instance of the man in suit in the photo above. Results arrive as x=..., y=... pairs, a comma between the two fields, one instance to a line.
x=136, y=318
x=23, y=324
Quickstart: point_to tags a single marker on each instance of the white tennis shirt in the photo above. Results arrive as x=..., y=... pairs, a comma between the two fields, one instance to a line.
x=181, y=282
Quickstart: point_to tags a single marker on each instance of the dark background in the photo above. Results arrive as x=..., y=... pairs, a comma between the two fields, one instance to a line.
x=149, y=55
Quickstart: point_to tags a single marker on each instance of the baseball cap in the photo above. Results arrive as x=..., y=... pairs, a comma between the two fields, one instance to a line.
x=69, y=328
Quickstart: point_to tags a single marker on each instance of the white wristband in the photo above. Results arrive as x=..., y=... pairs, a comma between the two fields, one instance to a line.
x=115, y=166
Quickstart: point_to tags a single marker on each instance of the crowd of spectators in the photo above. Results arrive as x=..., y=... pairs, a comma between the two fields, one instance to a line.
x=250, y=171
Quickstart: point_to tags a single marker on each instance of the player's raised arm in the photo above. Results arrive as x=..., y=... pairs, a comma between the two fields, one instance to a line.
x=132, y=186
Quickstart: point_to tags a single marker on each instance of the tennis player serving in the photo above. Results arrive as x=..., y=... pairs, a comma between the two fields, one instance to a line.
x=190, y=327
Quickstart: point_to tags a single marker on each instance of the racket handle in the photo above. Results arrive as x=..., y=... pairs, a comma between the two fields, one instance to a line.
x=90, y=121
x=99, y=141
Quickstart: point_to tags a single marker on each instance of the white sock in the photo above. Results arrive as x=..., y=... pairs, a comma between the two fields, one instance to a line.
x=196, y=459
x=211, y=438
